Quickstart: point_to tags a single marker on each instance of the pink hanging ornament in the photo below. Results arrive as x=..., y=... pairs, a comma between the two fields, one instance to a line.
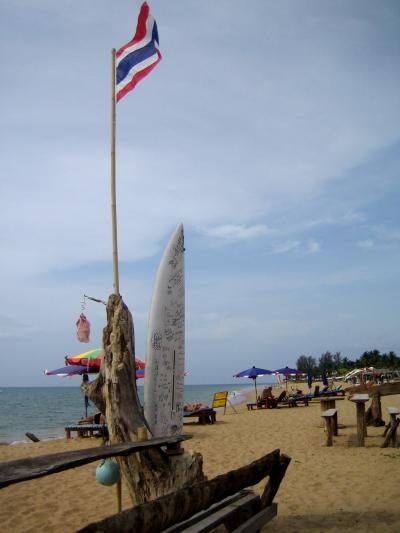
x=83, y=329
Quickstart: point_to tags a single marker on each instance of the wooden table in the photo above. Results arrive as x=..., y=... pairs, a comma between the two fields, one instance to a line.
x=360, y=400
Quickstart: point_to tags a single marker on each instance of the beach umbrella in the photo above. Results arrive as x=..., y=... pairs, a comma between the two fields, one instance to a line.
x=253, y=373
x=79, y=370
x=287, y=371
x=93, y=359
x=325, y=380
x=71, y=370
x=309, y=380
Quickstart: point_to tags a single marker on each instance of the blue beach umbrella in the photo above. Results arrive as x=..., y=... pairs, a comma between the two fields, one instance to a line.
x=253, y=373
x=309, y=380
x=287, y=371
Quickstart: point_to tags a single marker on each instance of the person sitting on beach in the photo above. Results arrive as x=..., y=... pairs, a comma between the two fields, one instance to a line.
x=97, y=418
x=267, y=398
x=190, y=407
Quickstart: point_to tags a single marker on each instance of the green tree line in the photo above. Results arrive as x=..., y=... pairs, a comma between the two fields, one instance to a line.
x=334, y=364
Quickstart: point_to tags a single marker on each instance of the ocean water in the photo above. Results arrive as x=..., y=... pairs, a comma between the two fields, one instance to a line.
x=45, y=411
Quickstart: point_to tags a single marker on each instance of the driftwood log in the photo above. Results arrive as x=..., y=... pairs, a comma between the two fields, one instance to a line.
x=155, y=516
x=373, y=415
x=149, y=474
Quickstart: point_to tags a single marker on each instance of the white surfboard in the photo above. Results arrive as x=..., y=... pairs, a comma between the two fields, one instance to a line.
x=165, y=350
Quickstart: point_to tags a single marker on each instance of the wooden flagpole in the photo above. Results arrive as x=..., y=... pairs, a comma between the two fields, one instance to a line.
x=113, y=192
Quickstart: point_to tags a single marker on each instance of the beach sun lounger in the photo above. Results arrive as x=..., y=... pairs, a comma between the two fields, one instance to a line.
x=205, y=416
x=86, y=430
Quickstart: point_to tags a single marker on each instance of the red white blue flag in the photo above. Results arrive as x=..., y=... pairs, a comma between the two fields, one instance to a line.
x=138, y=57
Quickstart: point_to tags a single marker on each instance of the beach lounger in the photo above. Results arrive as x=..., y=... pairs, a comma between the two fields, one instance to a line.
x=299, y=398
x=338, y=391
x=205, y=416
x=85, y=430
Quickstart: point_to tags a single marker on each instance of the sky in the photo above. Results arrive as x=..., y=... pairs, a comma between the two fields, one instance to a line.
x=270, y=129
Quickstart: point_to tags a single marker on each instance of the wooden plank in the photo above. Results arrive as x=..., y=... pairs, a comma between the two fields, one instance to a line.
x=329, y=412
x=43, y=465
x=203, y=514
x=256, y=522
x=359, y=398
x=385, y=389
x=216, y=518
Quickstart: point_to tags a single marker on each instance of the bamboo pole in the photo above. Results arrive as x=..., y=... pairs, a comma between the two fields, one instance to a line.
x=113, y=191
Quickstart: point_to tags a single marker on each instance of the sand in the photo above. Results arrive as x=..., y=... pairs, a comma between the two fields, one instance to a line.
x=325, y=489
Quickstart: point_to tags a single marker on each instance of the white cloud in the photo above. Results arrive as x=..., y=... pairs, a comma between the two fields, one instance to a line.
x=284, y=247
x=226, y=327
x=313, y=247
x=231, y=232
x=367, y=243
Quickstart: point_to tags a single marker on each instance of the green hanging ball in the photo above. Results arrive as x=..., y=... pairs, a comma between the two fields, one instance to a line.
x=107, y=472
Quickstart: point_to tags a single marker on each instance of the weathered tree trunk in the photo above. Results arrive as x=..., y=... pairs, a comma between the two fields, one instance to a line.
x=149, y=474
x=373, y=414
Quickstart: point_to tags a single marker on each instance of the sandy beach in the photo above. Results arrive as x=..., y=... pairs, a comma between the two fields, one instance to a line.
x=325, y=489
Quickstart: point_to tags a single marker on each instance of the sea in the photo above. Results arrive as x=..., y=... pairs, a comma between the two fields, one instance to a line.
x=45, y=411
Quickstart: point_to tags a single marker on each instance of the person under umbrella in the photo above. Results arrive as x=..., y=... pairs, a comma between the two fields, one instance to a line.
x=253, y=373
x=309, y=380
x=287, y=371
x=325, y=382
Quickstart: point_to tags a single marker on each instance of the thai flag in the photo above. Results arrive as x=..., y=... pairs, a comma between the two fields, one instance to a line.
x=138, y=57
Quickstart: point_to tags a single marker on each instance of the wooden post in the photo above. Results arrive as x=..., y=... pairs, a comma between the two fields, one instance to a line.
x=360, y=423
x=335, y=425
x=113, y=188
x=359, y=400
x=373, y=416
x=329, y=432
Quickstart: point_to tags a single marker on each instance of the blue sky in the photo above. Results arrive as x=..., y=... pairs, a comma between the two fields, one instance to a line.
x=270, y=129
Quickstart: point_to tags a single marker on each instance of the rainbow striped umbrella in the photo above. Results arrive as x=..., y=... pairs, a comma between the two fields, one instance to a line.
x=93, y=358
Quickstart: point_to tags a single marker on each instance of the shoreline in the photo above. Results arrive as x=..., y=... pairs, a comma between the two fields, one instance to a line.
x=325, y=489
x=237, y=392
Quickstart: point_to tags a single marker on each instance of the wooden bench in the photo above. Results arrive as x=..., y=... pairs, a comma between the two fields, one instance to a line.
x=228, y=511
x=391, y=428
x=330, y=417
x=84, y=430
